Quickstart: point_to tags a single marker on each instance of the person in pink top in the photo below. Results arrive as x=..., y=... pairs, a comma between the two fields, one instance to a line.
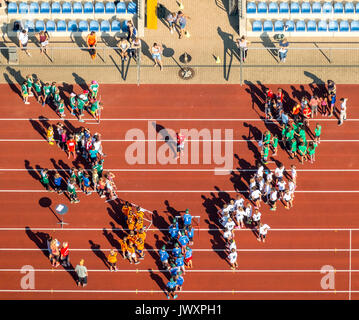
x=314, y=101
x=180, y=143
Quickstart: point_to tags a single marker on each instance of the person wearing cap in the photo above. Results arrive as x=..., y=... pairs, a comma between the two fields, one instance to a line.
x=187, y=219
x=171, y=289
x=190, y=233
x=179, y=281
x=164, y=257
x=180, y=263
x=188, y=257
x=173, y=231
x=73, y=103
x=176, y=251
x=174, y=270
x=94, y=89
x=183, y=240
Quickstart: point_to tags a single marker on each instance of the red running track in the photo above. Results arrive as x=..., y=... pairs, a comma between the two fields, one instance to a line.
x=313, y=234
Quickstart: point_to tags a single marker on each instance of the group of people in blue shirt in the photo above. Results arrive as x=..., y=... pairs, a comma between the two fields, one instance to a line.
x=181, y=254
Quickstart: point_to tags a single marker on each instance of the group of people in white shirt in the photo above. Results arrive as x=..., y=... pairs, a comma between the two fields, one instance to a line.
x=264, y=185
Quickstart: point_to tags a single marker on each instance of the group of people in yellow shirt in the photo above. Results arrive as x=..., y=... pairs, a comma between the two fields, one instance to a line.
x=135, y=241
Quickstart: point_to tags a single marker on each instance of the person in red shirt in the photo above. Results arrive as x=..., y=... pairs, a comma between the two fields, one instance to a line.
x=64, y=255
x=280, y=95
x=180, y=143
x=269, y=95
x=71, y=144
x=307, y=113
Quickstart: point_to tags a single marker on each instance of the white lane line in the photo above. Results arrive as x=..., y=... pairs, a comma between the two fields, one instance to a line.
x=186, y=170
x=149, y=140
x=190, y=270
x=82, y=291
x=196, y=250
x=182, y=191
x=168, y=119
x=205, y=229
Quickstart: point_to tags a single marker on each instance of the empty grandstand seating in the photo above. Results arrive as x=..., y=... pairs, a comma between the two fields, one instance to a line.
x=319, y=18
x=74, y=16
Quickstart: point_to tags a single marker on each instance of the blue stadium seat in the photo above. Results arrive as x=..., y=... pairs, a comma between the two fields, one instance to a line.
x=284, y=7
x=29, y=26
x=61, y=26
x=311, y=26
x=105, y=26
x=88, y=7
x=273, y=7
x=333, y=26
x=278, y=26
x=357, y=8
x=12, y=8
x=306, y=7
x=39, y=26
x=327, y=7
x=72, y=26
x=316, y=7
x=294, y=7
x=132, y=8
x=83, y=26
x=66, y=7
x=94, y=26
x=289, y=25
x=77, y=7
x=34, y=7
x=267, y=26
x=45, y=8
x=251, y=7
x=110, y=8
x=116, y=26
x=99, y=8
x=23, y=8
x=354, y=26
x=262, y=7
x=257, y=26
x=344, y=26
x=300, y=26
x=50, y=26
x=56, y=8
x=338, y=7
x=322, y=26
x=349, y=7
x=121, y=7
x=124, y=26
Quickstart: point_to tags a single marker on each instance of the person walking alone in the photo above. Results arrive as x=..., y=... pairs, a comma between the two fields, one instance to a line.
x=343, y=111
x=91, y=41
x=82, y=273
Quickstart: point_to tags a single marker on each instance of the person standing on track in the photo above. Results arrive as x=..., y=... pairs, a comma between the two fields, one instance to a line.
x=71, y=189
x=71, y=145
x=179, y=281
x=232, y=257
x=58, y=183
x=188, y=257
x=180, y=143
x=293, y=173
x=183, y=240
x=82, y=273
x=45, y=179
x=164, y=257
x=288, y=199
x=263, y=230
x=343, y=111
x=64, y=255
x=171, y=289
x=112, y=260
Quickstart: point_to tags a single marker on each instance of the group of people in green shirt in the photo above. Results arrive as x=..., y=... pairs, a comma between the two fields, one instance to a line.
x=294, y=140
x=49, y=93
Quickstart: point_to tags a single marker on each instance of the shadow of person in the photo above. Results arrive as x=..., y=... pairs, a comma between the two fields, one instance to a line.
x=232, y=16
x=80, y=81
x=270, y=45
x=257, y=95
x=110, y=238
x=16, y=75
x=96, y=249
x=159, y=281
x=31, y=171
x=145, y=49
x=39, y=128
x=162, y=14
x=159, y=222
x=40, y=239
x=154, y=255
x=172, y=211
x=166, y=137
x=12, y=85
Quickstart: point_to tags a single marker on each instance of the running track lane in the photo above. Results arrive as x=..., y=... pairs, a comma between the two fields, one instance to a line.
x=230, y=100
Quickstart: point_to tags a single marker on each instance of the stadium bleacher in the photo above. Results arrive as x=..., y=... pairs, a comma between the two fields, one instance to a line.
x=318, y=18
x=72, y=16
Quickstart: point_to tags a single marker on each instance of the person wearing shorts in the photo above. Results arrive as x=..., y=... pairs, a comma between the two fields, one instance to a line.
x=273, y=197
x=180, y=263
x=287, y=199
x=112, y=260
x=182, y=22
x=188, y=257
x=24, y=93
x=54, y=253
x=171, y=289
x=139, y=248
x=263, y=230
x=311, y=151
x=71, y=144
x=156, y=52
x=80, y=107
x=39, y=92
x=73, y=103
x=23, y=40
x=82, y=274
x=124, y=47
x=47, y=92
x=91, y=41
x=164, y=257
x=179, y=281
x=132, y=254
x=180, y=143
x=43, y=38
x=171, y=19
x=232, y=257
x=190, y=233
x=314, y=101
